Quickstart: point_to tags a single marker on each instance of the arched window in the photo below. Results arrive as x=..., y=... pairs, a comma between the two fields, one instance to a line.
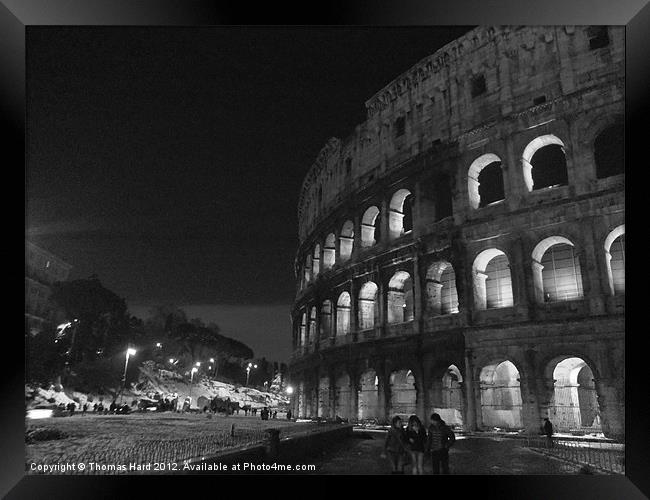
x=485, y=181
x=492, y=280
x=400, y=298
x=346, y=240
x=501, y=402
x=343, y=314
x=303, y=329
x=442, y=297
x=615, y=255
x=326, y=319
x=544, y=163
x=307, y=270
x=400, y=217
x=312, y=334
x=556, y=270
x=368, y=306
x=609, y=151
x=316, y=262
x=370, y=227
x=329, y=251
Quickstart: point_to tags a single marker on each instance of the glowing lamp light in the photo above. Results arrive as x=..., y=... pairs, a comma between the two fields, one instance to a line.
x=211, y=360
x=195, y=369
x=198, y=363
x=130, y=351
x=40, y=413
x=171, y=360
x=289, y=390
x=158, y=345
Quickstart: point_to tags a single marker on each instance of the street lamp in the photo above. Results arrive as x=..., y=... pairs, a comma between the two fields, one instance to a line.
x=289, y=390
x=129, y=352
x=248, y=370
x=158, y=345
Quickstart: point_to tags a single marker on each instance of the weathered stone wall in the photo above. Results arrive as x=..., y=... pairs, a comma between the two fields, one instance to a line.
x=445, y=131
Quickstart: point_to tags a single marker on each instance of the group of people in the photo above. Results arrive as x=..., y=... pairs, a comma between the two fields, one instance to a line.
x=408, y=445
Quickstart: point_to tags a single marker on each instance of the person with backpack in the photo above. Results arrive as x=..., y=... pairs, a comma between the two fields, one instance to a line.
x=395, y=446
x=440, y=439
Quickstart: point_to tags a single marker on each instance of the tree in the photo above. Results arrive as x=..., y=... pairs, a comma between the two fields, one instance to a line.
x=100, y=323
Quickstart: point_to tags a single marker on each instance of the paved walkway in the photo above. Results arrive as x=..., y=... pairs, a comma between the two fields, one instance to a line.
x=475, y=455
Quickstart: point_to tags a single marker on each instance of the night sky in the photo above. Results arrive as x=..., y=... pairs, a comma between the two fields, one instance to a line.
x=168, y=161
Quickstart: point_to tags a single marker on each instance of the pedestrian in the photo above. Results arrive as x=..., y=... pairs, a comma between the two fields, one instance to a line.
x=84, y=409
x=395, y=446
x=440, y=439
x=289, y=415
x=95, y=408
x=416, y=440
x=275, y=414
x=548, y=430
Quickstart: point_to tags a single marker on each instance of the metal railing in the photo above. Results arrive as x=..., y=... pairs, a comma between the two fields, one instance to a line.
x=601, y=455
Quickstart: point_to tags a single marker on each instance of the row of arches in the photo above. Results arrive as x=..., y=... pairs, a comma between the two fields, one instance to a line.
x=572, y=403
x=544, y=166
x=557, y=277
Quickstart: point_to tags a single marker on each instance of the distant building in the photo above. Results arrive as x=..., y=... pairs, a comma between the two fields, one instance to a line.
x=42, y=270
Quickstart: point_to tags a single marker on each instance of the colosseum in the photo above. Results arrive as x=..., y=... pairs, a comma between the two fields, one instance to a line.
x=463, y=250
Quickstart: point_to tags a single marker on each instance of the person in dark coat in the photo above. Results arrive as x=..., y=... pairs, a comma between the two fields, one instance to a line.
x=440, y=439
x=84, y=409
x=416, y=440
x=289, y=415
x=395, y=446
x=548, y=430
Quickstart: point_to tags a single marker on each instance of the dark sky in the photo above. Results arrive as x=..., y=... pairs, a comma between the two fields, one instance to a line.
x=168, y=161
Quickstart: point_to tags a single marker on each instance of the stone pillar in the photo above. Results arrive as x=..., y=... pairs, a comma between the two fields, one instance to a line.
x=611, y=403
x=470, y=396
x=415, y=211
x=383, y=394
x=567, y=79
x=354, y=395
x=420, y=391
x=354, y=310
x=382, y=304
x=332, y=393
x=530, y=408
x=384, y=215
x=591, y=271
x=418, y=304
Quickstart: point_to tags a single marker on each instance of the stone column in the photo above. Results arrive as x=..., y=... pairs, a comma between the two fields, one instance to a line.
x=611, y=403
x=418, y=304
x=469, y=395
x=354, y=308
x=420, y=391
x=530, y=411
x=382, y=304
x=384, y=215
x=332, y=393
x=383, y=394
x=353, y=402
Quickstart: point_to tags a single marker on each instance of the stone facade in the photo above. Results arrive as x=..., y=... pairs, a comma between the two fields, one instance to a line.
x=465, y=246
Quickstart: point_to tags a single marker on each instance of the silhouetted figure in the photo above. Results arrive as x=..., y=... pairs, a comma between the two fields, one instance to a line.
x=395, y=446
x=84, y=409
x=112, y=407
x=71, y=407
x=440, y=439
x=275, y=414
x=289, y=415
x=548, y=430
x=416, y=439
x=95, y=408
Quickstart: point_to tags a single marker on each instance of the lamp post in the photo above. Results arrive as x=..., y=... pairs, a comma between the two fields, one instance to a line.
x=129, y=352
x=248, y=371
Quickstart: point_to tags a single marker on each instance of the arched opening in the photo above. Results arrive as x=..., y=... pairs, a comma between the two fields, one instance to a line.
x=326, y=319
x=556, y=270
x=368, y=306
x=452, y=397
x=370, y=227
x=312, y=334
x=316, y=261
x=368, y=401
x=303, y=329
x=342, y=396
x=544, y=162
x=346, y=240
x=343, y=314
x=403, y=394
x=400, y=298
x=501, y=403
x=400, y=217
x=329, y=252
x=615, y=255
x=307, y=270
x=609, y=151
x=324, y=397
x=485, y=181
x=441, y=294
x=492, y=280
x=574, y=405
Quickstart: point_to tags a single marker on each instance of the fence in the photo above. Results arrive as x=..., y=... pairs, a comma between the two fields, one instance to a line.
x=604, y=456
